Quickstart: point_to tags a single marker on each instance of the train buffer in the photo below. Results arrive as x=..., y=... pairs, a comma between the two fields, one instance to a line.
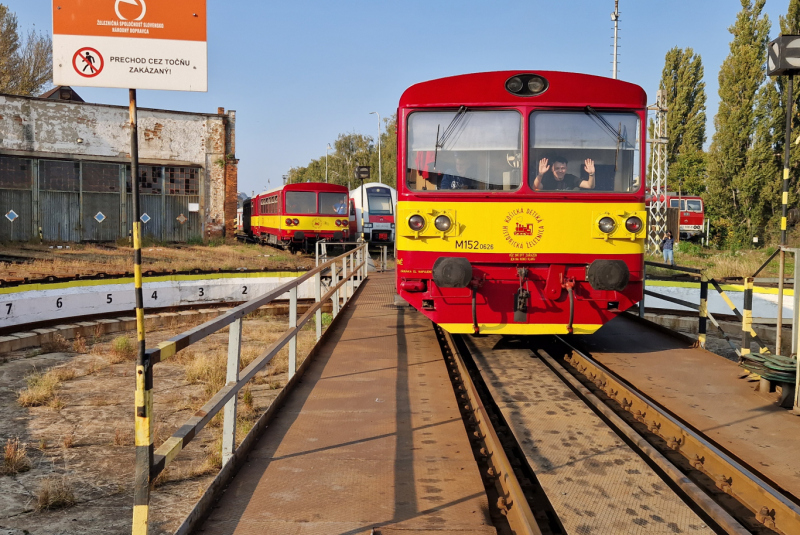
x=371, y=438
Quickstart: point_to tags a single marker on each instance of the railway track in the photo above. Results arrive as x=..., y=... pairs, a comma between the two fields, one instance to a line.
x=588, y=453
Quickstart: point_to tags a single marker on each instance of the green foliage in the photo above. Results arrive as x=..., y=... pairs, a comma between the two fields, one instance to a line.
x=349, y=151
x=690, y=248
x=326, y=319
x=26, y=65
x=682, y=80
x=730, y=187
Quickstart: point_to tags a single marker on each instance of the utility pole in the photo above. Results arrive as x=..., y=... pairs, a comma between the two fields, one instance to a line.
x=380, y=175
x=615, y=18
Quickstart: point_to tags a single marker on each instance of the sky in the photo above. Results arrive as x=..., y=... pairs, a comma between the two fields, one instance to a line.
x=299, y=73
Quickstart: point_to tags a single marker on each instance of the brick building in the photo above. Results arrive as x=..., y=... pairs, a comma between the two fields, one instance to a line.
x=65, y=171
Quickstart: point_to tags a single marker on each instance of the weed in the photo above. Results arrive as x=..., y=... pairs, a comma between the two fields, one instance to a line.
x=121, y=438
x=42, y=388
x=54, y=493
x=208, y=370
x=58, y=344
x=34, y=353
x=79, y=345
x=326, y=319
x=122, y=349
x=247, y=397
x=15, y=458
x=68, y=441
x=42, y=444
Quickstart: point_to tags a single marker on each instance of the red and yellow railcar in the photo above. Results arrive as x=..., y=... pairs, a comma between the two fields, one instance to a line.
x=521, y=201
x=297, y=215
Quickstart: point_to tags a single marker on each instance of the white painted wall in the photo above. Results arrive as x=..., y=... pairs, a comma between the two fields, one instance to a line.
x=21, y=308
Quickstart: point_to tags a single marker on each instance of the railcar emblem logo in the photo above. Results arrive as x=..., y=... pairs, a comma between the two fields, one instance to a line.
x=523, y=228
x=317, y=222
x=133, y=3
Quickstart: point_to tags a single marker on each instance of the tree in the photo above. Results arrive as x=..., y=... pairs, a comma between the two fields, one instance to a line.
x=682, y=80
x=350, y=151
x=740, y=77
x=26, y=66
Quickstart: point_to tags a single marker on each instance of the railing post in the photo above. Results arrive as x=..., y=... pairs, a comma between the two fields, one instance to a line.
x=293, y=323
x=644, y=284
x=334, y=282
x=701, y=327
x=795, y=314
x=318, y=299
x=747, y=315
x=346, y=280
x=234, y=360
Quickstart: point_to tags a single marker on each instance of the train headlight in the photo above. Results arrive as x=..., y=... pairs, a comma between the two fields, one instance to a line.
x=288, y=220
x=295, y=221
x=416, y=222
x=338, y=223
x=606, y=225
x=536, y=85
x=633, y=224
x=514, y=84
x=443, y=223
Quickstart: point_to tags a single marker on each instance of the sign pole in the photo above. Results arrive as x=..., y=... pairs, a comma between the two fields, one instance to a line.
x=144, y=372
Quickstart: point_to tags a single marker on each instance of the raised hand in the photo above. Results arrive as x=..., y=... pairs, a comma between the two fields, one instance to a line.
x=544, y=166
x=588, y=165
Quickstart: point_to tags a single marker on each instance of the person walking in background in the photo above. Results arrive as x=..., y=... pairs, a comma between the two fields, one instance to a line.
x=667, y=243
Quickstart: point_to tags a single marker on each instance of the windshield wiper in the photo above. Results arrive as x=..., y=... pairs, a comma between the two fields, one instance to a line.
x=462, y=111
x=613, y=131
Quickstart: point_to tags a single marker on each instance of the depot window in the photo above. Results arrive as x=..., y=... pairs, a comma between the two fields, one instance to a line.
x=301, y=202
x=565, y=145
x=464, y=150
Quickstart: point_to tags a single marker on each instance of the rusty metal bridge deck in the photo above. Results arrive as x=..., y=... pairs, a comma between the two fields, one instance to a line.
x=371, y=438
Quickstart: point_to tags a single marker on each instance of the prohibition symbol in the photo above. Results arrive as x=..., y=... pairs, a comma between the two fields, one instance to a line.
x=88, y=62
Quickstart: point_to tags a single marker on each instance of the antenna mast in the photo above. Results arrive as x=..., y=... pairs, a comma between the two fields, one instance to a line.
x=615, y=18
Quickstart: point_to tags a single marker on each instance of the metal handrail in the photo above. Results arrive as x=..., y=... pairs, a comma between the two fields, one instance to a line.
x=150, y=464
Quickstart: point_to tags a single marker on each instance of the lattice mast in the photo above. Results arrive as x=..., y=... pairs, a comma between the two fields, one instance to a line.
x=657, y=212
x=615, y=18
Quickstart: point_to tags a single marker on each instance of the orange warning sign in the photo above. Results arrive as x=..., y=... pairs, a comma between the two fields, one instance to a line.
x=183, y=20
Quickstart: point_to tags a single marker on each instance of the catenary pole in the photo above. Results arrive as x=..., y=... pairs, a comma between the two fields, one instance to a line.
x=380, y=175
x=144, y=373
x=615, y=18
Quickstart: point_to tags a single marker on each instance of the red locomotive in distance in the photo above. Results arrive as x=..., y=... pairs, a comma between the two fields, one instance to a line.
x=297, y=215
x=692, y=214
x=521, y=201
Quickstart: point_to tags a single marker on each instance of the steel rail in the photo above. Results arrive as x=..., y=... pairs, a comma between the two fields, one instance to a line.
x=512, y=499
x=771, y=507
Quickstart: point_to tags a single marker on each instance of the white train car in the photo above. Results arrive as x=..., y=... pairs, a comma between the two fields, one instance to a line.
x=378, y=202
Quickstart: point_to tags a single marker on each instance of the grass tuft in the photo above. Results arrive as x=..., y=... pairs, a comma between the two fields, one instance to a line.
x=122, y=349
x=58, y=344
x=54, y=493
x=15, y=458
x=42, y=388
x=79, y=345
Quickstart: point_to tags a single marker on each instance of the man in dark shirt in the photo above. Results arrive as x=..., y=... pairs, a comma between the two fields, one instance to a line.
x=557, y=178
x=457, y=178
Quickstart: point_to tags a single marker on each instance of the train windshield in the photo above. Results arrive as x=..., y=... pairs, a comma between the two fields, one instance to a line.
x=301, y=202
x=380, y=204
x=693, y=205
x=333, y=203
x=584, y=151
x=464, y=150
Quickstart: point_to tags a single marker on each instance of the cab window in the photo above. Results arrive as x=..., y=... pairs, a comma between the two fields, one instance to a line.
x=584, y=151
x=694, y=205
x=464, y=150
x=301, y=202
x=333, y=203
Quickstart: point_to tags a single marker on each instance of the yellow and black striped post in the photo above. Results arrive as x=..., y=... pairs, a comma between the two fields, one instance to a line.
x=747, y=315
x=784, y=208
x=144, y=372
x=702, y=325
